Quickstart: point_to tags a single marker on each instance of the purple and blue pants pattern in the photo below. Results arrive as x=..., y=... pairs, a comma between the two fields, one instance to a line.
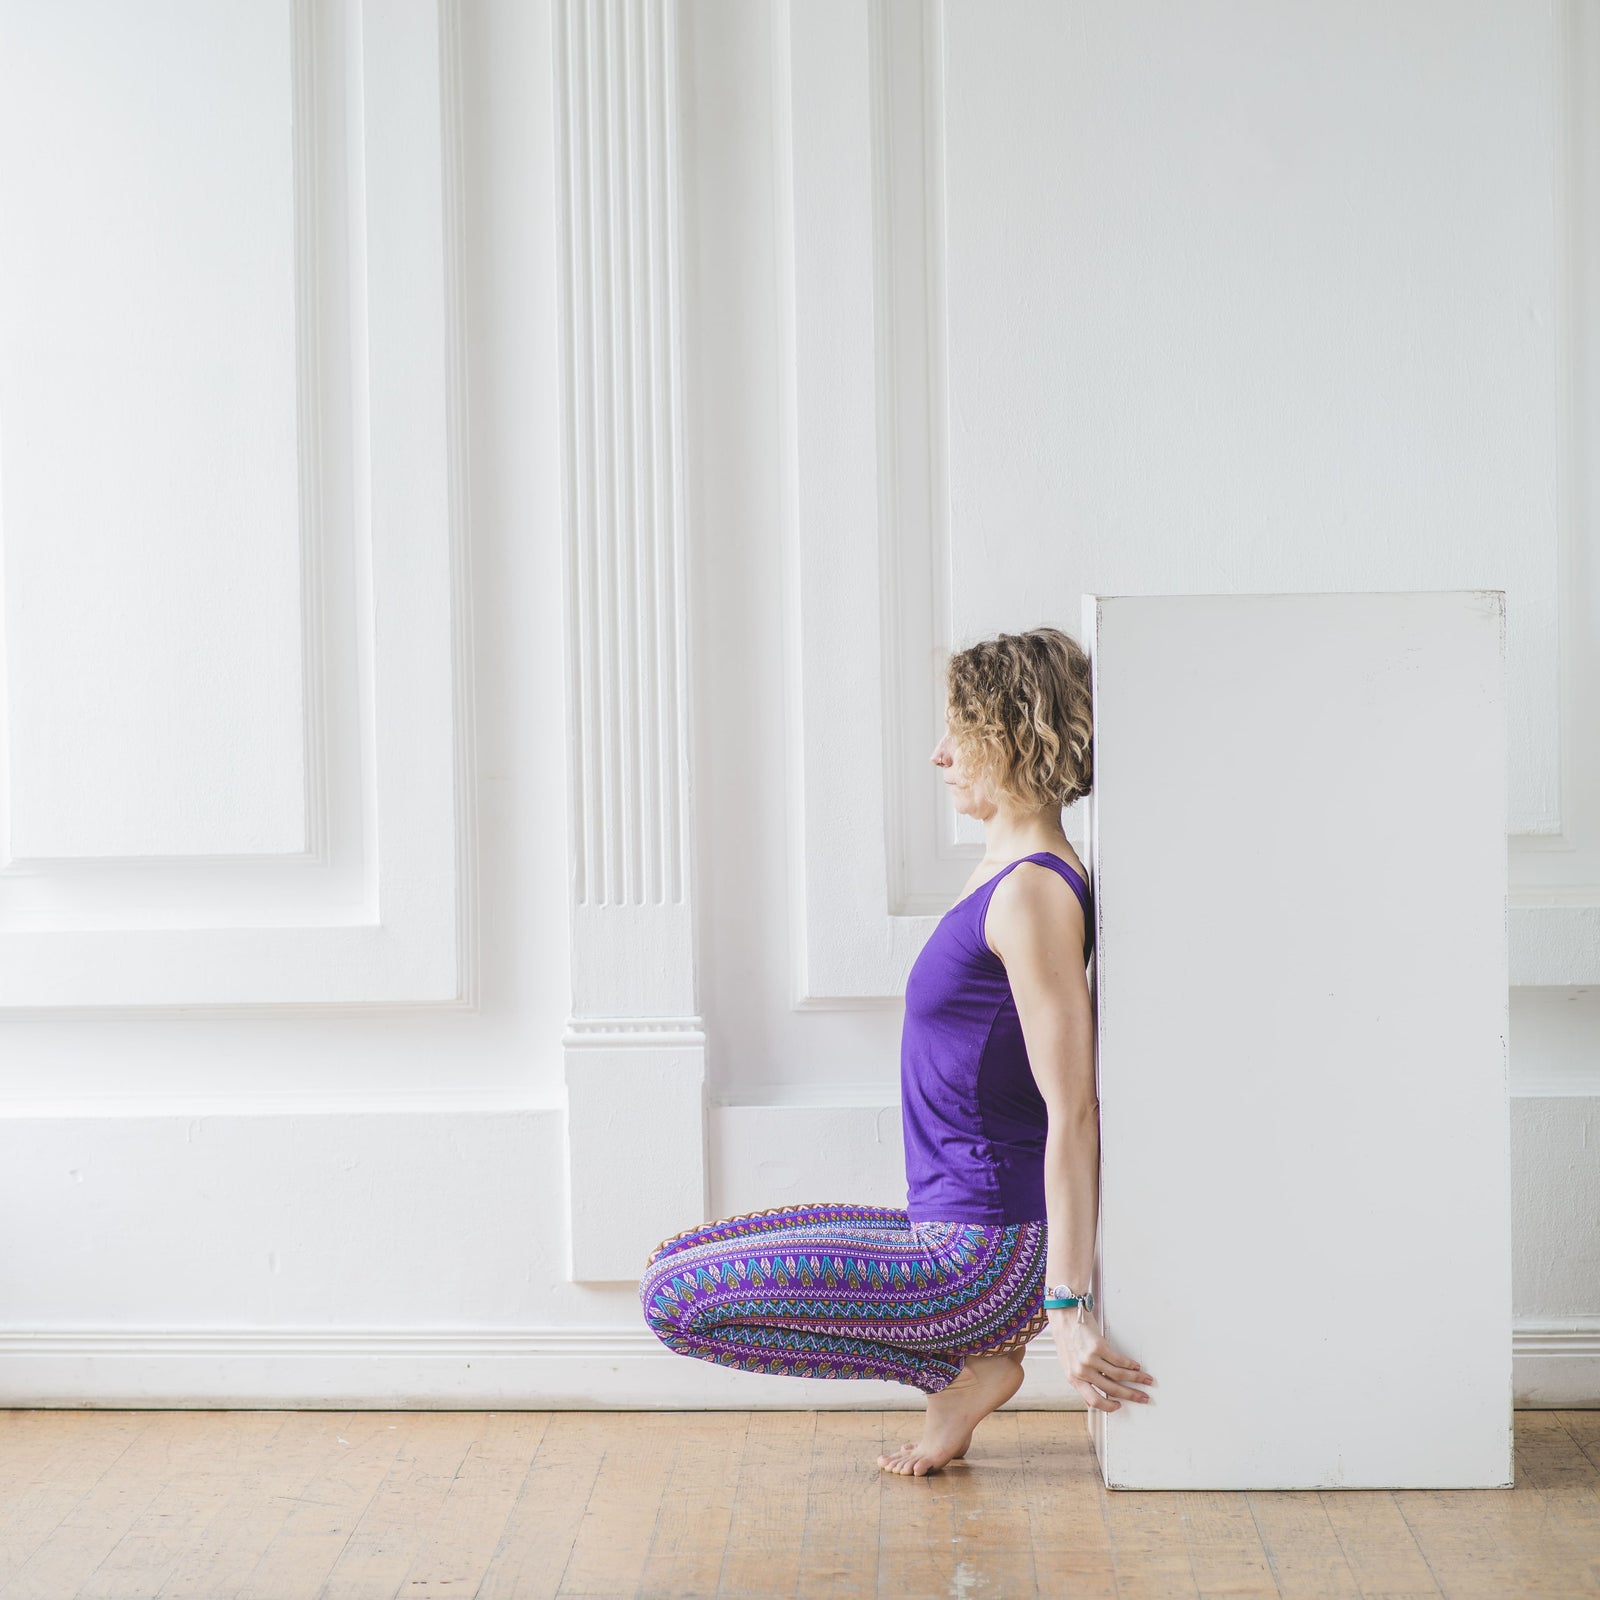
x=847, y=1291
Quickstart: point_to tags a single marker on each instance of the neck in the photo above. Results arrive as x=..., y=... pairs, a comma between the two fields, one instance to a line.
x=1010, y=833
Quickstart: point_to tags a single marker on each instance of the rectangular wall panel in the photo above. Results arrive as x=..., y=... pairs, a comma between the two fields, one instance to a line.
x=1299, y=854
x=1214, y=324
x=149, y=508
x=236, y=641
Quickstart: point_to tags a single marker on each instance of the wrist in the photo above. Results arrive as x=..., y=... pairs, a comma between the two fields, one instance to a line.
x=1061, y=1320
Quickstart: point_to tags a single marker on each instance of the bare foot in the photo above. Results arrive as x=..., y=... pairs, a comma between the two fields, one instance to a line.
x=983, y=1383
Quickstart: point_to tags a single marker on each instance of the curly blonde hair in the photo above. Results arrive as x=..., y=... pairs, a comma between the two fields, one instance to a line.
x=1022, y=715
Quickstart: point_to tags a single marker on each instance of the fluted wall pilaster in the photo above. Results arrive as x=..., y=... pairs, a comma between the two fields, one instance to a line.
x=634, y=1046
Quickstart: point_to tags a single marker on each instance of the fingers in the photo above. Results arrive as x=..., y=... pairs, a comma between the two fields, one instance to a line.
x=1121, y=1366
x=1103, y=1368
x=1115, y=1358
x=1092, y=1397
x=1118, y=1380
x=1091, y=1391
x=1111, y=1386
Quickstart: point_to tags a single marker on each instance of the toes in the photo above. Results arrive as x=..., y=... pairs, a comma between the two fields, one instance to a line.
x=908, y=1461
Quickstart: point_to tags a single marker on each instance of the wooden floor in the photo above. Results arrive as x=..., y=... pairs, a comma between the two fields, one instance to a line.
x=291, y=1505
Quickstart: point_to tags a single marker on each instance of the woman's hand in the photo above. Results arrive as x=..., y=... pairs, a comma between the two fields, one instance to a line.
x=1092, y=1365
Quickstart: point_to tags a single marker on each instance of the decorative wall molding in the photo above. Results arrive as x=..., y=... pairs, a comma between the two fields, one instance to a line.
x=378, y=909
x=848, y=948
x=464, y=748
x=1554, y=915
x=608, y=1032
x=589, y=1367
x=623, y=451
x=307, y=64
x=908, y=116
x=635, y=1051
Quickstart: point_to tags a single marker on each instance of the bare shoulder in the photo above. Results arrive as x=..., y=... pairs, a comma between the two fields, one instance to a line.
x=1033, y=907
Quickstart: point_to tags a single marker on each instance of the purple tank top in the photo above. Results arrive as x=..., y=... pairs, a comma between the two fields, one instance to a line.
x=973, y=1119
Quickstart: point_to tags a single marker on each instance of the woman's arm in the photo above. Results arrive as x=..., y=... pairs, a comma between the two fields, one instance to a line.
x=1035, y=926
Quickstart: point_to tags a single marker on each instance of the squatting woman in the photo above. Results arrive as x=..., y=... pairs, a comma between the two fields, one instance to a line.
x=999, y=1112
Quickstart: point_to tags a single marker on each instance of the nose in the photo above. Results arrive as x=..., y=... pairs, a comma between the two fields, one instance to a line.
x=940, y=757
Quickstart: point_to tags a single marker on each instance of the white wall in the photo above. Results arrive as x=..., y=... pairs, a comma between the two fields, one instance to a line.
x=1373, y=409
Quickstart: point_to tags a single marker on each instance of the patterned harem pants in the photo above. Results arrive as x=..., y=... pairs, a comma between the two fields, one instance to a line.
x=847, y=1291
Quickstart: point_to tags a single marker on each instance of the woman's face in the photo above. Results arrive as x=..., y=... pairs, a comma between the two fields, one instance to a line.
x=967, y=792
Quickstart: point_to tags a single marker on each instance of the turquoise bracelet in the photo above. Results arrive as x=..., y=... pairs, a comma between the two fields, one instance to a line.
x=1086, y=1300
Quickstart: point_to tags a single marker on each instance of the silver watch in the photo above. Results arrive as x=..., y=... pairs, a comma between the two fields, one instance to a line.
x=1062, y=1291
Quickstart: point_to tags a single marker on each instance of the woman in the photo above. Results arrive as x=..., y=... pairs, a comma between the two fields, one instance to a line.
x=998, y=1105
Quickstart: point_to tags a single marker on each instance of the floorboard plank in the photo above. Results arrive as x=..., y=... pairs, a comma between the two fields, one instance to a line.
x=92, y=1444
x=761, y=1557
x=1378, y=1546
x=541, y=1531
x=477, y=1507
x=189, y=1491
x=99, y=1513
x=273, y=1459
x=691, y=1531
x=916, y=1521
x=993, y=1544
x=1224, y=1545
x=317, y=1523
x=844, y=1504
x=612, y=1541
x=384, y=1545
x=1066, y=1504
x=1149, y=1549
x=1301, y=1546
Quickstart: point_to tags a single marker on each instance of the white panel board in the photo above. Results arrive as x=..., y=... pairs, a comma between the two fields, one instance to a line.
x=178, y=876
x=148, y=415
x=1299, y=855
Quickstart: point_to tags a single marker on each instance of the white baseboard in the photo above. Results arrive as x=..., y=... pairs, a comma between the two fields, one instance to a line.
x=1556, y=1365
